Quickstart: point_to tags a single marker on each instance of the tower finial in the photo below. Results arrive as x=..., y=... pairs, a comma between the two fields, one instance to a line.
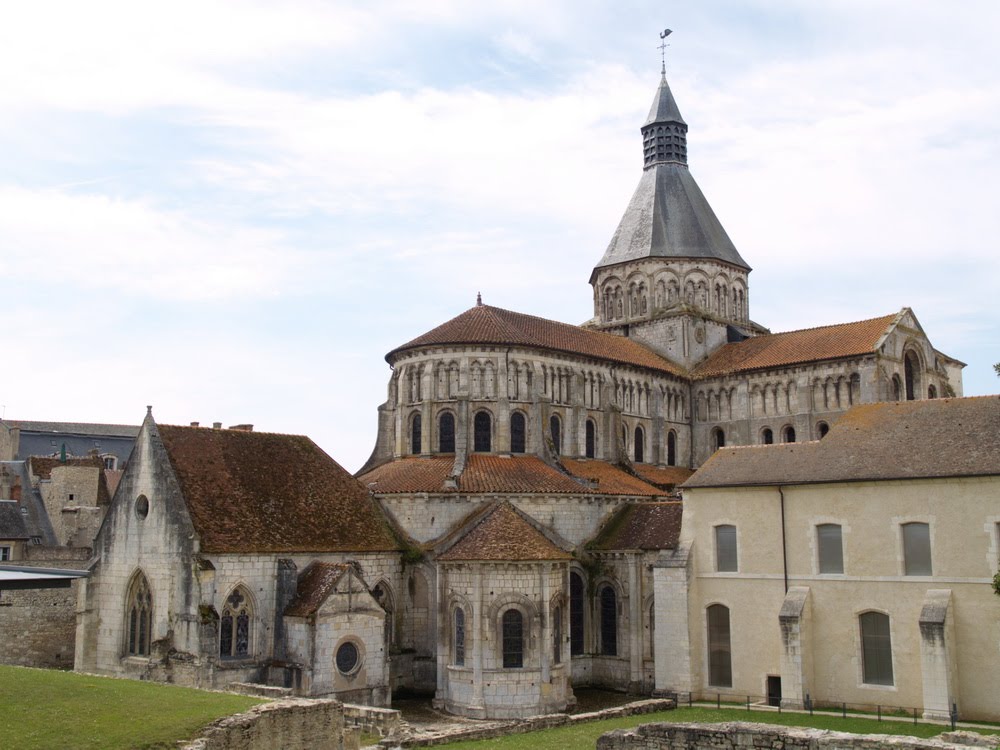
x=479, y=299
x=663, y=51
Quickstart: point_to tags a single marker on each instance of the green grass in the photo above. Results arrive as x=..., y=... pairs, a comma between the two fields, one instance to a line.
x=43, y=709
x=585, y=735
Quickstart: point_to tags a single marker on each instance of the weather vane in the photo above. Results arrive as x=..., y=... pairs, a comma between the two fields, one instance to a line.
x=663, y=50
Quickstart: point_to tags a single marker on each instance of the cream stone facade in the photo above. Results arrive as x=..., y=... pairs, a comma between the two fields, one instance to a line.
x=795, y=610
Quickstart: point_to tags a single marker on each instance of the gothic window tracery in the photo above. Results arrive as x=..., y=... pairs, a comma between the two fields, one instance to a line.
x=138, y=617
x=234, y=625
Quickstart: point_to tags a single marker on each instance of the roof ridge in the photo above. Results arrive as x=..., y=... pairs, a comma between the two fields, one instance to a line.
x=833, y=325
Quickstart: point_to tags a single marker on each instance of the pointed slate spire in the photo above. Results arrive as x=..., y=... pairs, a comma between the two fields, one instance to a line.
x=664, y=134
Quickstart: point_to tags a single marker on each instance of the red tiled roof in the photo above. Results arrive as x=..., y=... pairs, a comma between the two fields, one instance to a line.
x=484, y=324
x=663, y=476
x=947, y=437
x=503, y=534
x=262, y=492
x=641, y=525
x=410, y=474
x=314, y=585
x=610, y=479
x=794, y=347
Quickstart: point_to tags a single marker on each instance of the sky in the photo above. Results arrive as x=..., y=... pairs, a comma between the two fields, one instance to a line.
x=231, y=211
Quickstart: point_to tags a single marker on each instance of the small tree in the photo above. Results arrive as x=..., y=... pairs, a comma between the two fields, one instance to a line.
x=996, y=367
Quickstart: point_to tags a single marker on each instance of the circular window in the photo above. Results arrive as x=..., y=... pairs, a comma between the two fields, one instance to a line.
x=347, y=657
x=141, y=506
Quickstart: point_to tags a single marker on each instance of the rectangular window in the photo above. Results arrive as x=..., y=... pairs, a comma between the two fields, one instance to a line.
x=917, y=549
x=725, y=549
x=831, y=548
x=4, y=554
x=876, y=649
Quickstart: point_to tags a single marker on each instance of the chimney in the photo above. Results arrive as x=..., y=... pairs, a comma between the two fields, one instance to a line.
x=216, y=425
x=242, y=427
x=195, y=424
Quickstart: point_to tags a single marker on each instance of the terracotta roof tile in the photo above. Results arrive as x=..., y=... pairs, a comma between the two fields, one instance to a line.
x=42, y=466
x=610, y=479
x=514, y=474
x=314, y=585
x=948, y=437
x=643, y=525
x=794, y=347
x=503, y=534
x=409, y=474
x=665, y=477
x=262, y=492
x=484, y=324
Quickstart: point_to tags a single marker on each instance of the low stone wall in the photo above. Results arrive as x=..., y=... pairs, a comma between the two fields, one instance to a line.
x=520, y=726
x=739, y=735
x=288, y=724
x=385, y=722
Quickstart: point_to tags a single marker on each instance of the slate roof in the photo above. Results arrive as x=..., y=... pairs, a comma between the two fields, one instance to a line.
x=664, y=108
x=264, y=492
x=484, y=324
x=643, y=525
x=795, y=347
x=12, y=521
x=665, y=477
x=314, y=586
x=950, y=437
x=610, y=479
x=74, y=428
x=503, y=533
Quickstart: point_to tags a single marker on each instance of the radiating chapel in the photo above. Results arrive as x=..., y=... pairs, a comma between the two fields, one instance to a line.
x=499, y=546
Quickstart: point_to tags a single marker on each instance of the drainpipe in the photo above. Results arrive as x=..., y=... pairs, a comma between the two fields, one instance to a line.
x=784, y=545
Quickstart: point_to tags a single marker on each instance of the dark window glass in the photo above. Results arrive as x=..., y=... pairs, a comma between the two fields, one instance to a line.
x=577, y=602
x=415, y=446
x=671, y=448
x=242, y=634
x=725, y=549
x=639, y=445
x=720, y=671
x=876, y=649
x=513, y=639
x=139, y=617
x=719, y=437
x=831, y=548
x=609, y=621
x=446, y=433
x=460, y=637
x=788, y=434
x=917, y=549
x=226, y=635
x=910, y=367
x=347, y=657
x=557, y=635
x=234, y=626
x=482, y=427
x=591, y=444
x=554, y=429
x=766, y=436
x=517, y=433
x=823, y=429
x=931, y=391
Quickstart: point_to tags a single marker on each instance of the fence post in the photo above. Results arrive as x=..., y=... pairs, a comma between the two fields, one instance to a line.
x=718, y=700
x=954, y=715
x=748, y=703
x=914, y=717
x=879, y=709
x=809, y=704
x=843, y=709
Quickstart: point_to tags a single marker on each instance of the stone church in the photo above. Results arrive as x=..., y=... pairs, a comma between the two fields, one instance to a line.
x=498, y=547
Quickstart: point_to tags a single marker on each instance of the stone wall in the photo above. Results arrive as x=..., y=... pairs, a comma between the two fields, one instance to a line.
x=737, y=735
x=385, y=722
x=38, y=627
x=288, y=724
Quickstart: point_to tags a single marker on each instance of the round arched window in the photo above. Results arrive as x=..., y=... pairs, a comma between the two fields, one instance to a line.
x=348, y=657
x=142, y=506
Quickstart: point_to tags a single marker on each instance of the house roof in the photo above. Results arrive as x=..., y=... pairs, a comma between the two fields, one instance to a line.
x=795, y=347
x=642, y=525
x=12, y=521
x=665, y=477
x=504, y=474
x=484, y=325
x=314, y=585
x=949, y=437
x=502, y=533
x=74, y=428
x=608, y=478
x=42, y=466
x=264, y=492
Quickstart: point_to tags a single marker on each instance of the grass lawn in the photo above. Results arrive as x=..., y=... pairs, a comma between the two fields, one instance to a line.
x=43, y=709
x=585, y=735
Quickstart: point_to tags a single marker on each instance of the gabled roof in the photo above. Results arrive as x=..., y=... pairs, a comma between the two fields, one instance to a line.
x=484, y=324
x=795, y=347
x=609, y=479
x=263, y=492
x=643, y=525
x=949, y=437
x=314, y=586
x=502, y=533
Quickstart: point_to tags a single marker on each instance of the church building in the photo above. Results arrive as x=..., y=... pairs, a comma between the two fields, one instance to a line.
x=499, y=546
